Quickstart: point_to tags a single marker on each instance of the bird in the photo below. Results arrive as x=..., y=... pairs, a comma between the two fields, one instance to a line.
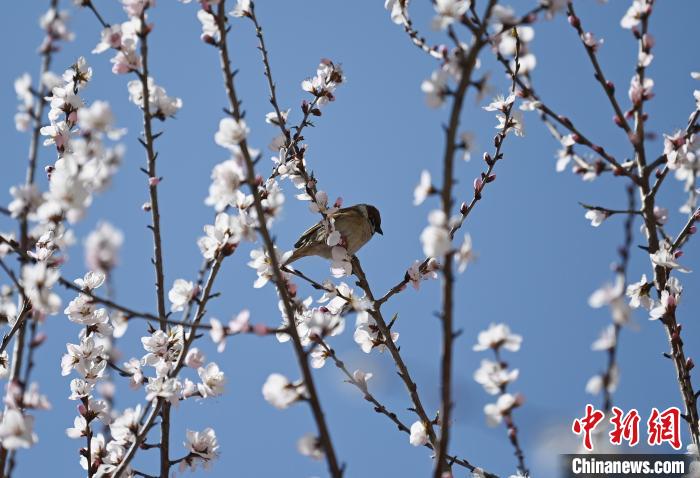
x=356, y=224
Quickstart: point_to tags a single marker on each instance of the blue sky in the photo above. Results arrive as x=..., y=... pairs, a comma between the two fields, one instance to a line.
x=539, y=259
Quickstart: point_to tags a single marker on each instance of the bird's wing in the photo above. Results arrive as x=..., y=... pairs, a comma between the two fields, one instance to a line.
x=311, y=235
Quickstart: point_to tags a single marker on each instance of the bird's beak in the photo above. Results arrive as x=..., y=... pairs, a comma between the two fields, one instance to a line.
x=379, y=230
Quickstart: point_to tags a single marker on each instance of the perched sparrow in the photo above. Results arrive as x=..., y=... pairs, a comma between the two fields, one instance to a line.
x=356, y=224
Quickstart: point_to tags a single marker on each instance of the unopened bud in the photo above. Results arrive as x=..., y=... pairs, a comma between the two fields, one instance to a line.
x=574, y=21
x=260, y=329
x=610, y=86
x=689, y=364
x=146, y=206
x=153, y=181
x=39, y=339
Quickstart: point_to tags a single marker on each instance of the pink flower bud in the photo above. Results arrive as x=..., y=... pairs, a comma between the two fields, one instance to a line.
x=671, y=301
x=692, y=230
x=260, y=329
x=146, y=206
x=39, y=339
x=153, y=181
x=574, y=21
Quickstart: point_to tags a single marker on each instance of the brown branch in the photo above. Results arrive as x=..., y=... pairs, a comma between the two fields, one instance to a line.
x=607, y=86
x=37, y=113
x=292, y=140
x=441, y=463
x=648, y=196
x=686, y=231
x=26, y=308
x=324, y=435
x=622, y=268
x=151, y=157
x=383, y=410
x=157, y=405
x=153, y=181
x=403, y=372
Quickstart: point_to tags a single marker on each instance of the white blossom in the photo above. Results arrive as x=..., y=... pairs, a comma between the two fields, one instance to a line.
x=231, y=133
x=435, y=88
x=226, y=180
x=367, y=334
x=465, y=254
x=424, y=188
x=638, y=293
x=279, y=392
x=126, y=426
x=436, y=237
x=664, y=257
x=102, y=247
x=38, y=279
x=180, y=294
x=163, y=387
x=225, y=232
x=160, y=104
x=241, y=9
x=449, y=11
x=213, y=381
x=418, y=435
x=194, y=358
x=203, y=445
x=596, y=216
x=495, y=411
x=497, y=336
x=16, y=430
x=309, y=445
x=493, y=376
x=607, y=339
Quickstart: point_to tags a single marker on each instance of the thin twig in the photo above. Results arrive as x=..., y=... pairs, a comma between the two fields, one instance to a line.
x=335, y=469
x=446, y=316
